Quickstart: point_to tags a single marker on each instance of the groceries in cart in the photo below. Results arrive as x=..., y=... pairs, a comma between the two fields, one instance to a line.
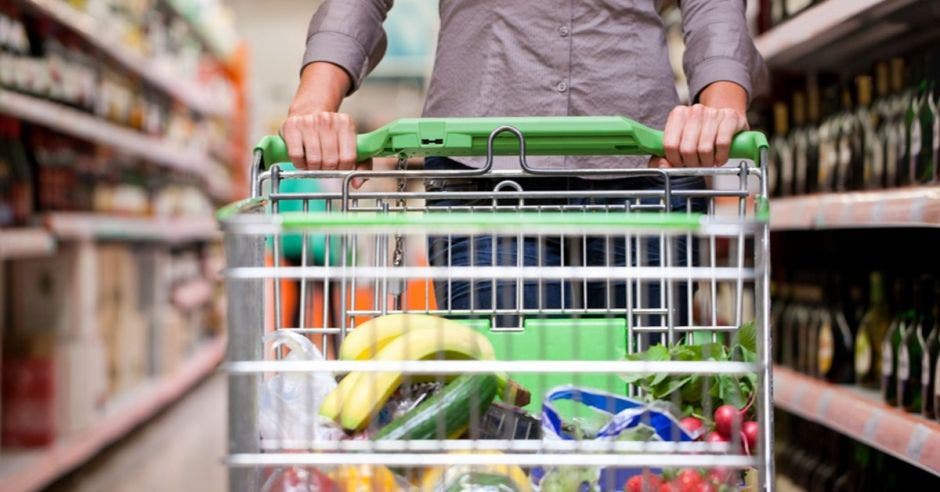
x=585, y=339
x=390, y=406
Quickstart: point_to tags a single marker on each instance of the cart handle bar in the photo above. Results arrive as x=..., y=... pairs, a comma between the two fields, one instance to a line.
x=553, y=135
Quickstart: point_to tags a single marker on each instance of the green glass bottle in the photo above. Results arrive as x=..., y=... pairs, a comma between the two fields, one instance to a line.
x=911, y=349
x=849, y=152
x=914, y=132
x=900, y=323
x=780, y=179
x=871, y=332
x=879, y=121
x=928, y=363
x=924, y=165
x=835, y=339
x=895, y=136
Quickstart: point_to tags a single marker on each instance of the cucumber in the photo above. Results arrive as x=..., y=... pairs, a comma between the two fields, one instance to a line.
x=451, y=407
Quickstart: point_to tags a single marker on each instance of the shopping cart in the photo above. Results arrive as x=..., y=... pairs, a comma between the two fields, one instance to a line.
x=579, y=290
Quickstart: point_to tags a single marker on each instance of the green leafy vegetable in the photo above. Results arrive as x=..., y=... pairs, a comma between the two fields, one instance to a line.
x=687, y=390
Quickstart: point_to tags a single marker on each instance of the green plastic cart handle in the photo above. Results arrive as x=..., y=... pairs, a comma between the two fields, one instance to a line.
x=563, y=135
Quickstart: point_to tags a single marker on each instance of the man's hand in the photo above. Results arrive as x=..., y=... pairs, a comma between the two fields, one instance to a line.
x=317, y=136
x=700, y=135
x=320, y=140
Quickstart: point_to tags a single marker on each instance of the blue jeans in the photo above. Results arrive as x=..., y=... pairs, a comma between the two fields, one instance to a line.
x=556, y=251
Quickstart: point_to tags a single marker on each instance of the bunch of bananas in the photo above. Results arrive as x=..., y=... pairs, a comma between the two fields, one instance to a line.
x=400, y=337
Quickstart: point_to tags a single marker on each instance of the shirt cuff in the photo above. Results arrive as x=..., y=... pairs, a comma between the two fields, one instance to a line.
x=718, y=69
x=339, y=49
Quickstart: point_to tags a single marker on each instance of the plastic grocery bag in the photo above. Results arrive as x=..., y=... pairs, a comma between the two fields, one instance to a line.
x=289, y=409
x=627, y=419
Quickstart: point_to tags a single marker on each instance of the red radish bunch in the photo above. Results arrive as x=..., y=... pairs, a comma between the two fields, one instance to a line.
x=691, y=425
x=728, y=419
x=644, y=482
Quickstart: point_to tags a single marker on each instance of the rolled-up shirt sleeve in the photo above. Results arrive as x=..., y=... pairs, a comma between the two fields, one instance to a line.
x=718, y=47
x=349, y=34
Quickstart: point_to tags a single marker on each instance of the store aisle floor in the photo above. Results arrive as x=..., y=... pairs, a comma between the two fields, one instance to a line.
x=180, y=450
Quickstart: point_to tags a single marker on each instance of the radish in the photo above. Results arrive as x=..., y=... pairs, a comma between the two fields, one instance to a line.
x=691, y=424
x=719, y=475
x=689, y=480
x=727, y=419
x=704, y=487
x=668, y=487
x=715, y=437
x=644, y=483
x=750, y=431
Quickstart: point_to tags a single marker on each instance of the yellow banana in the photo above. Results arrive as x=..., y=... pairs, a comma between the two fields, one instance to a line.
x=333, y=403
x=370, y=390
x=367, y=339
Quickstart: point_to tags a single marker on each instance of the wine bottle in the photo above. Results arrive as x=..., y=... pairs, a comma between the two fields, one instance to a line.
x=799, y=143
x=895, y=142
x=870, y=334
x=780, y=179
x=849, y=168
x=901, y=322
x=879, y=118
x=914, y=135
x=829, y=140
x=911, y=348
x=865, y=173
x=834, y=346
x=813, y=112
x=928, y=363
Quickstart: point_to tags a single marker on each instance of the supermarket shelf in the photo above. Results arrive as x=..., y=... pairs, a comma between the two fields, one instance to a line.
x=87, y=226
x=192, y=293
x=905, y=207
x=109, y=42
x=839, y=30
x=211, y=43
x=89, y=127
x=32, y=470
x=25, y=242
x=860, y=415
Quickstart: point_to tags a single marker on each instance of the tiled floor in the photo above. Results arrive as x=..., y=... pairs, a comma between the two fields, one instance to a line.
x=180, y=450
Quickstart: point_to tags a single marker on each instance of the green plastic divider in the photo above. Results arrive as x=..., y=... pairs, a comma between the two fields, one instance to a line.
x=495, y=221
x=562, y=135
x=560, y=339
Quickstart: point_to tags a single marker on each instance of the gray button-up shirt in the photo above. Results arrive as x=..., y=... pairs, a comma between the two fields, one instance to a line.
x=551, y=58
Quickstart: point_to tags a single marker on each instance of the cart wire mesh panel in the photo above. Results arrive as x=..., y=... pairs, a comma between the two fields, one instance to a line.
x=480, y=329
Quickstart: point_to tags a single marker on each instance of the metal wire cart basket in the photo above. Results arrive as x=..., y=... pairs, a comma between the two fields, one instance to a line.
x=561, y=332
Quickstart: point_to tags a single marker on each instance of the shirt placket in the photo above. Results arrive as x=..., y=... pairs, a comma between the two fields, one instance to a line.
x=563, y=86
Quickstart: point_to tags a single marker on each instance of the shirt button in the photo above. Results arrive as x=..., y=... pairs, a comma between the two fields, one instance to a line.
x=561, y=87
x=563, y=30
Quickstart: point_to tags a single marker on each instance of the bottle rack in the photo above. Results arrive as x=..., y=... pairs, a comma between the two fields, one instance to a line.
x=847, y=36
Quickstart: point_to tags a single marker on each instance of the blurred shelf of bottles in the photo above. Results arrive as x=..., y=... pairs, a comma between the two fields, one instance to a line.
x=61, y=63
x=42, y=171
x=812, y=457
x=888, y=340
x=870, y=131
x=143, y=37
